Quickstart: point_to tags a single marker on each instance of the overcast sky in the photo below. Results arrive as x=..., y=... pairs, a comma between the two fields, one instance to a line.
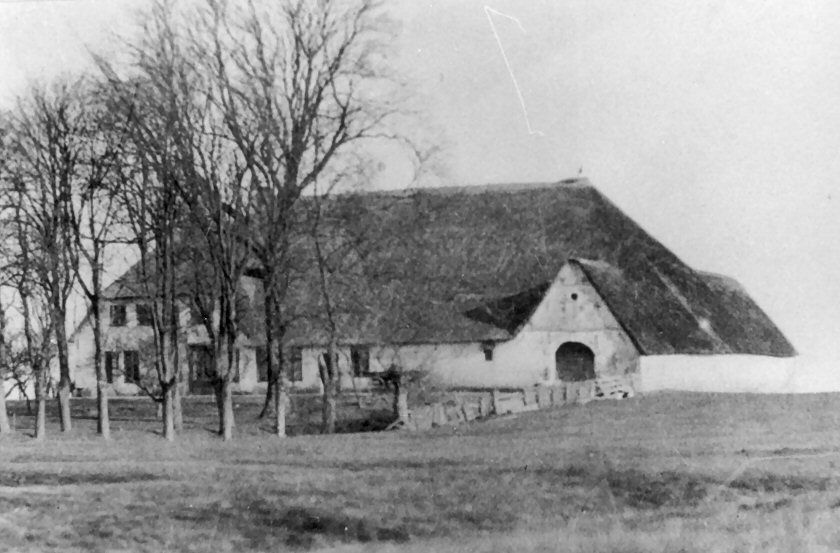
x=714, y=124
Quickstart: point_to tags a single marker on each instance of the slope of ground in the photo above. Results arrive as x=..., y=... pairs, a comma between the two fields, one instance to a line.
x=666, y=472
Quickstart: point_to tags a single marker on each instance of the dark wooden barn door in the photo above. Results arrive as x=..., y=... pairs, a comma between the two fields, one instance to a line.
x=575, y=362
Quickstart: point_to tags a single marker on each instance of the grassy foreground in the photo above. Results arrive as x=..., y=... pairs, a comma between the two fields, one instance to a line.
x=667, y=472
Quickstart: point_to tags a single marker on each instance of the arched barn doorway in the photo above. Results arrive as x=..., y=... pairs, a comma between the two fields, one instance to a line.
x=575, y=362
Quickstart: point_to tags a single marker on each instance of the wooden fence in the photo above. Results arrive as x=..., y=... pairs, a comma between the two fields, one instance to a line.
x=468, y=405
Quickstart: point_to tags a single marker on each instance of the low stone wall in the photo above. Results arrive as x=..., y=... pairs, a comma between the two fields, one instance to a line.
x=468, y=405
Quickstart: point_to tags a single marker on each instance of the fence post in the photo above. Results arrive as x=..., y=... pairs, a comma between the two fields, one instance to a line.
x=495, y=402
x=543, y=397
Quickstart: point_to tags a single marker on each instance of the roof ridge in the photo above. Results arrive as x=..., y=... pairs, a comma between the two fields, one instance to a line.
x=493, y=187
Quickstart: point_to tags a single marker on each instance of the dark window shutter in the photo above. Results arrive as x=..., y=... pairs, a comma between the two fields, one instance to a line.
x=131, y=363
x=262, y=364
x=117, y=313
x=360, y=360
x=110, y=366
x=236, y=368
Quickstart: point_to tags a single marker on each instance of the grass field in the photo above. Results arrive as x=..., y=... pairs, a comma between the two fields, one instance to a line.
x=666, y=473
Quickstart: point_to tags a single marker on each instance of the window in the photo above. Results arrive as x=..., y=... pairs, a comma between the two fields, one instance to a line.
x=112, y=360
x=295, y=371
x=262, y=364
x=117, y=315
x=487, y=348
x=131, y=366
x=144, y=314
x=360, y=360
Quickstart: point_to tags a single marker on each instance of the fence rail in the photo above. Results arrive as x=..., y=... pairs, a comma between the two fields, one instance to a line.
x=468, y=405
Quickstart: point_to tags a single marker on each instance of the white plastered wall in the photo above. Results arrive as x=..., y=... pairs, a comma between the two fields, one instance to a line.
x=718, y=373
x=571, y=311
x=132, y=336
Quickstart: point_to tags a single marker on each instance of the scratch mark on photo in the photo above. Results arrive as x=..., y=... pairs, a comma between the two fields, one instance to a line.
x=488, y=11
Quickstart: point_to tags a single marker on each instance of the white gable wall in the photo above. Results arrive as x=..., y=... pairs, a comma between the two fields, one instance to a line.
x=81, y=349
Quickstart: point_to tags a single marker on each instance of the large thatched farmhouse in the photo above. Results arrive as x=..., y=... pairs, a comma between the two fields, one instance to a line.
x=487, y=286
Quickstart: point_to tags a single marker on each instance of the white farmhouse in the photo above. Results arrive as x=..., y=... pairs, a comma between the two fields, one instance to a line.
x=484, y=286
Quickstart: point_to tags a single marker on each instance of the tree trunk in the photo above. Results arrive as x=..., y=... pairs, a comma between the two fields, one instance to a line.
x=329, y=409
x=59, y=320
x=329, y=375
x=271, y=391
x=4, y=415
x=41, y=419
x=5, y=428
x=169, y=414
x=281, y=399
x=177, y=411
x=218, y=394
x=227, y=410
x=270, y=401
x=103, y=423
x=64, y=405
x=400, y=399
x=41, y=415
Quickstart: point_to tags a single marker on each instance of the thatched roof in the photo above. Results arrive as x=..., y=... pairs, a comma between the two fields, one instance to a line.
x=472, y=264
x=464, y=264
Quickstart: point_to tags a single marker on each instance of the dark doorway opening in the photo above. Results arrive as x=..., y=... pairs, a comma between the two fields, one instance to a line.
x=575, y=362
x=202, y=362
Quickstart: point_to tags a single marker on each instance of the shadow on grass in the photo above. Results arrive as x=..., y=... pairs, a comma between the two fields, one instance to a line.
x=18, y=479
x=774, y=483
x=267, y=524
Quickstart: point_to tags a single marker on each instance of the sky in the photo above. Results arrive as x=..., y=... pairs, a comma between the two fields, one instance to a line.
x=715, y=125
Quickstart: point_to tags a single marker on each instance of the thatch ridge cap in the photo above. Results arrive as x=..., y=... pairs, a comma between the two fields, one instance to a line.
x=469, y=189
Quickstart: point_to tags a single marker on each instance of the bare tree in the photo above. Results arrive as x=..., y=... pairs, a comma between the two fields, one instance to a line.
x=328, y=365
x=45, y=144
x=4, y=370
x=199, y=181
x=19, y=370
x=299, y=84
x=4, y=357
x=215, y=188
x=153, y=213
x=22, y=274
x=96, y=205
